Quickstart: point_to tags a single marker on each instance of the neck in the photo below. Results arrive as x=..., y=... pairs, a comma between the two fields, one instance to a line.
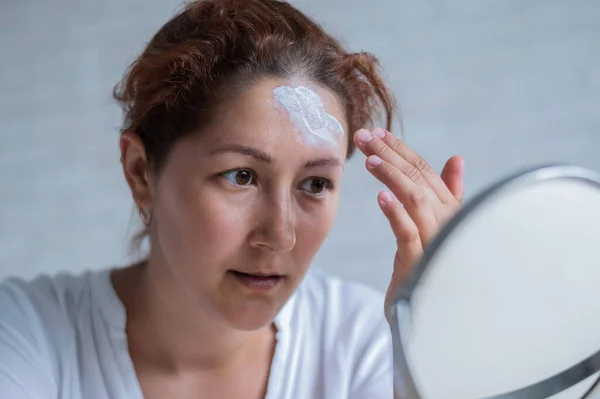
x=165, y=331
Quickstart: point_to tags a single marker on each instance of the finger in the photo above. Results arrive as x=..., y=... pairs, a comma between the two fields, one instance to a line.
x=369, y=144
x=430, y=176
x=408, y=240
x=453, y=176
x=413, y=197
x=411, y=164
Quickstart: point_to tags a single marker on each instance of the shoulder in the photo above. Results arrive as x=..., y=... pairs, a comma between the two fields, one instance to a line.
x=42, y=310
x=45, y=311
x=43, y=298
x=35, y=327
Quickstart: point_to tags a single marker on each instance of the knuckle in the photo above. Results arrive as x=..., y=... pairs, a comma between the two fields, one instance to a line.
x=391, y=172
x=417, y=198
x=408, y=233
x=381, y=150
x=407, y=236
x=413, y=174
x=396, y=145
x=421, y=165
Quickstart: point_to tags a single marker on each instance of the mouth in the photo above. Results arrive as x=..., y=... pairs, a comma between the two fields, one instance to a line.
x=258, y=281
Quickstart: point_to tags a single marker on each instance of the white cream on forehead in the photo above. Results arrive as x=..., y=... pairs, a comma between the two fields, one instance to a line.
x=308, y=114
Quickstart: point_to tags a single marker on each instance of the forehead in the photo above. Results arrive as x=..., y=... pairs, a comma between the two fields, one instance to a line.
x=261, y=112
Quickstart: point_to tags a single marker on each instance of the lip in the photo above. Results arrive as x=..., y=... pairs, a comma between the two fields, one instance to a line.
x=261, y=273
x=258, y=282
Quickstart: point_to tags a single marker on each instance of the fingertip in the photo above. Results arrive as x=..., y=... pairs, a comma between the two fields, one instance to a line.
x=379, y=132
x=460, y=164
x=362, y=136
x=374, y=161
x=385, y=198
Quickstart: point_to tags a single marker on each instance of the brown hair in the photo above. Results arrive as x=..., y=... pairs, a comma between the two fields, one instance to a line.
x=213, y=49
x=175, y=85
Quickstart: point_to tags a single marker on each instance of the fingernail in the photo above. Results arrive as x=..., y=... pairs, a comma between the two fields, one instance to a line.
x=374, y=161
x=379, y=132
x=364, y=136
x=385, y=197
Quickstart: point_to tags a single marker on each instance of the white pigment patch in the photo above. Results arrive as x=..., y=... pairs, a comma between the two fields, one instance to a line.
x=308, y=114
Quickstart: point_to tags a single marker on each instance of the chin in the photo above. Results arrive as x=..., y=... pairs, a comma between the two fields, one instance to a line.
x=251, y=315
x=249, y=324
x=249, y=304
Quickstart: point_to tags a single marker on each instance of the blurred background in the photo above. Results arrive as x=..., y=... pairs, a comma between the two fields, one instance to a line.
x=507, y=84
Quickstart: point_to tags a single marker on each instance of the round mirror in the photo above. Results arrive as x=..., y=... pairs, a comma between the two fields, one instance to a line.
x=505, y=302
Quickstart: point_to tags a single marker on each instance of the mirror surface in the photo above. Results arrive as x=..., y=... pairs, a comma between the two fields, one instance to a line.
x=507, y=295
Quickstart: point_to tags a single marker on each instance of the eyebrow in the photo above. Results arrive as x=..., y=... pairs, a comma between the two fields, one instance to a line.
x=331, y=162
x=262, y=156
x=244, y=150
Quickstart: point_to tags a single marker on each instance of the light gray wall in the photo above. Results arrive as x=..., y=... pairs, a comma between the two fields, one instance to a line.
x=505, y=83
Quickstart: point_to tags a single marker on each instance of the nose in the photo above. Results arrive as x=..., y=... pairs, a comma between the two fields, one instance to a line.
x=276, y=227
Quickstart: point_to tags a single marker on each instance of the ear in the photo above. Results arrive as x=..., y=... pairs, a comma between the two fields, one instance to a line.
x=135, y=168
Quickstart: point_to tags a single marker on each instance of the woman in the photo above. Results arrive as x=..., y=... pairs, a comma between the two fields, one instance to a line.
x=239, y=115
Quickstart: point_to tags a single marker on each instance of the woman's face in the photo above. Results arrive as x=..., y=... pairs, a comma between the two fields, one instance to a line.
x=241, y=209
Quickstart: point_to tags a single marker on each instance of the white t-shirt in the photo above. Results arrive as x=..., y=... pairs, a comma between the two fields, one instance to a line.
x=64, y=337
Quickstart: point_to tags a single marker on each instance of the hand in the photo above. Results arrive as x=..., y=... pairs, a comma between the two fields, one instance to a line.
x=422, y=201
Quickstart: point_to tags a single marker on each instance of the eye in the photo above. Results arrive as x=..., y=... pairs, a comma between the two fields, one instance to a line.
x=316, y=186
x=239, y=177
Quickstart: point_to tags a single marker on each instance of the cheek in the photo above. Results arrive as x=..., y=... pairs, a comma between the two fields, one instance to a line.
x=313, y=226
x=195, y=224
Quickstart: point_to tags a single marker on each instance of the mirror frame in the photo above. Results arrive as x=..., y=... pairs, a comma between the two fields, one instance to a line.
x=399, y=309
